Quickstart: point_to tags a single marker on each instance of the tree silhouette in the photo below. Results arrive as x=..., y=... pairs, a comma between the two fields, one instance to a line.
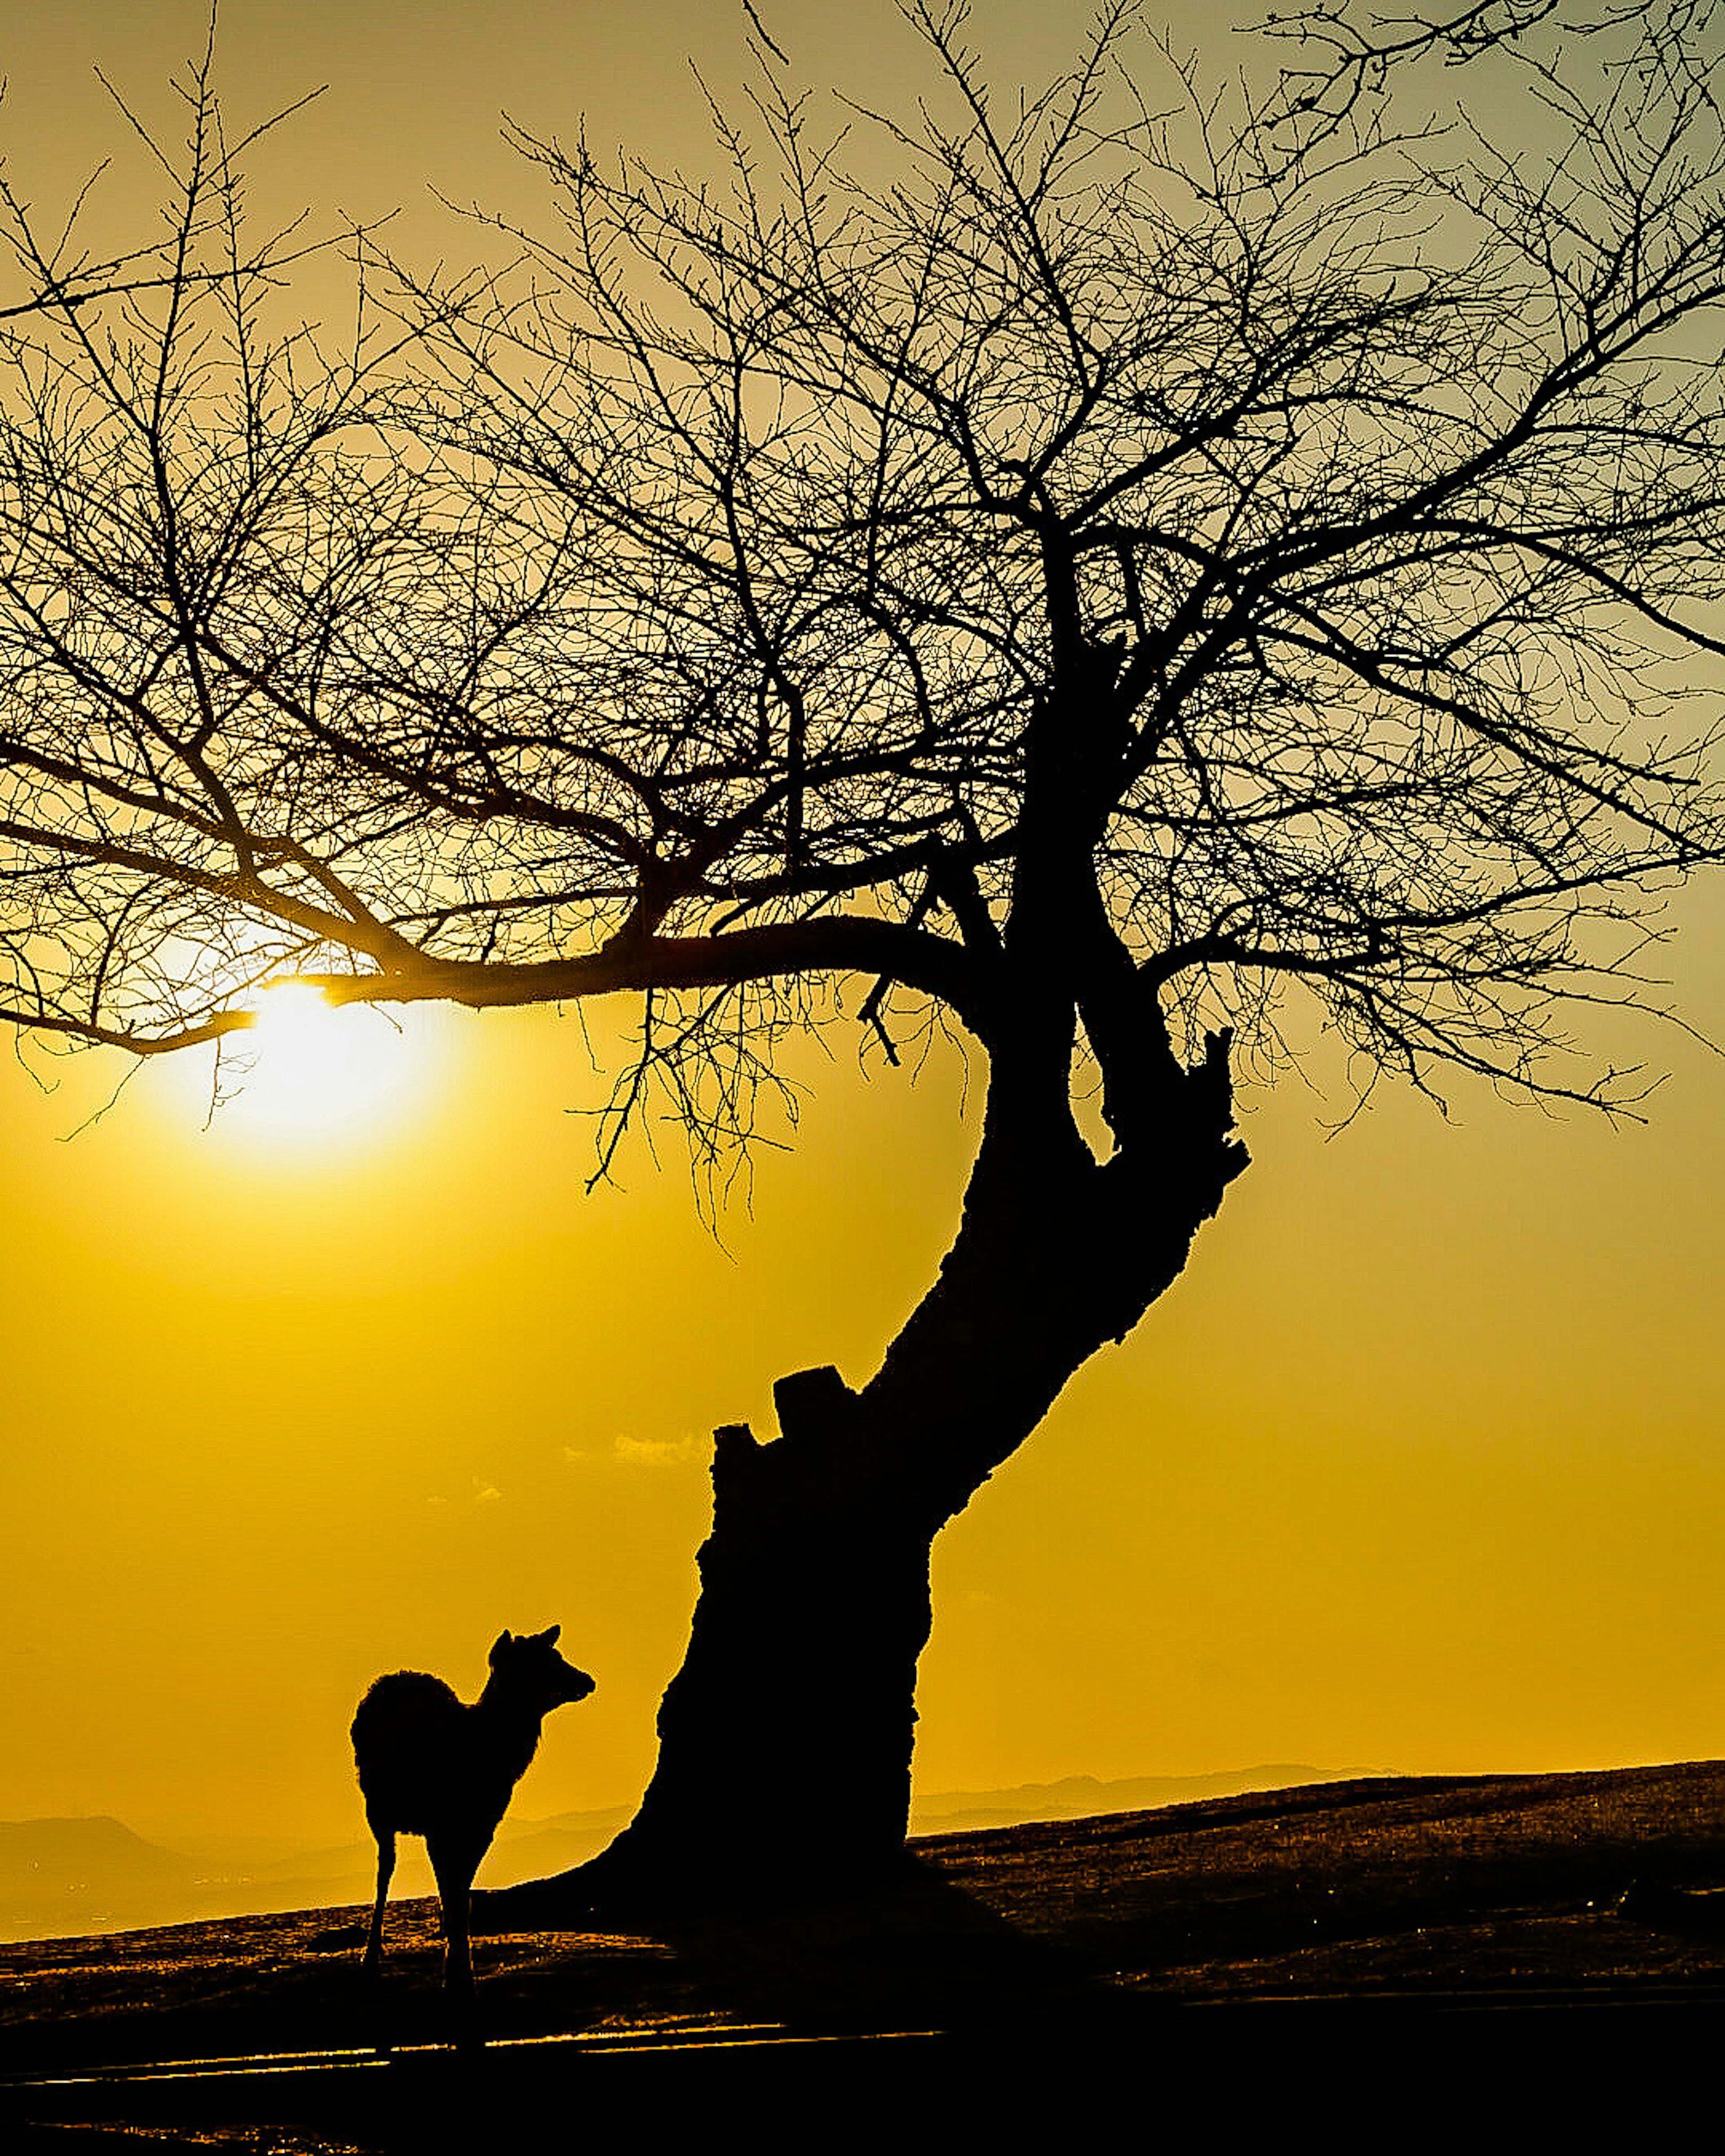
x=1077, y=569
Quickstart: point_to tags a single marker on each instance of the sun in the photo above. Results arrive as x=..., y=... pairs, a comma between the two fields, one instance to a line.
x=309, y=1073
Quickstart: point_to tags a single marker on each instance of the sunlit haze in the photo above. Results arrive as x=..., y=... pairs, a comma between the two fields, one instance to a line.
x=337, y=1366
x=311, y=1078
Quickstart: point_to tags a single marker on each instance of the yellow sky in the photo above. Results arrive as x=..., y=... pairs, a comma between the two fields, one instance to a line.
x=1420, y=1466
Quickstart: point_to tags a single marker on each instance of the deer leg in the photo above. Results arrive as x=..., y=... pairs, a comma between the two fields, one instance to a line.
x=386, y=1872
x=454, y=1861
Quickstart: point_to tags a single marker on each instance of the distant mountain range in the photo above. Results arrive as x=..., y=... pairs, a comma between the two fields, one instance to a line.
x=1083, y=1796
x=63, y=1878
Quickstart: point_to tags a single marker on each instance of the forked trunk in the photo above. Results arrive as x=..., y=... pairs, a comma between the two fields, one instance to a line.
x=785, y=1739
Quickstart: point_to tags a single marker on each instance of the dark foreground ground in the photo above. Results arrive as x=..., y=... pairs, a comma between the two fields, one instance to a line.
x=1381, y=1949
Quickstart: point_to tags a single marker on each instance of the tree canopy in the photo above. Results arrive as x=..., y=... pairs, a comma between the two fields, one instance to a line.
x=1076, y=563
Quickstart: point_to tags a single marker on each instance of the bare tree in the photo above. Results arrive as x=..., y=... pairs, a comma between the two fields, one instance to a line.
x=1080, y=569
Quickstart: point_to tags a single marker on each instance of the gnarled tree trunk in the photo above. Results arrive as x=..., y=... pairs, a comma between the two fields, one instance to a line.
x=785, y=1739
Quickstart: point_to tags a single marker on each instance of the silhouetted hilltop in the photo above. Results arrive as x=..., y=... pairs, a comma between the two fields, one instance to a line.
x=69, y=1878
x=85, y=1874
x=72, y=1877
x=1040, y=1949
x=1018, y=1965
x=74, y=1852
x=1433, y=1884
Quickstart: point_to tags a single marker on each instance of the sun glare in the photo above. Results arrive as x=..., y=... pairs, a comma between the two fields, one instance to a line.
x=310, y=1074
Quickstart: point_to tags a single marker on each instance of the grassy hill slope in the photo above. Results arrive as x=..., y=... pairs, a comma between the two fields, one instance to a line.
x=1445, y=1894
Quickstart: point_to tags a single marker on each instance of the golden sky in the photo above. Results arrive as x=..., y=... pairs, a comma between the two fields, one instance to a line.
x=1420, y=1466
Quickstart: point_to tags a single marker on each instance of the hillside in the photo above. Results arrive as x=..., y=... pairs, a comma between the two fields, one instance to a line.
x=67, y=1878
x=1447, y=1895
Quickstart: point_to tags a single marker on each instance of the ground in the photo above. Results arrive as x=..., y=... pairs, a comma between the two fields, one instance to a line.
x=1020, y=1965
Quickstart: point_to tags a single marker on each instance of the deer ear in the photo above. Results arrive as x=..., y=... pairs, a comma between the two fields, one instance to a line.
x=504, y=1639
x=550, y=1637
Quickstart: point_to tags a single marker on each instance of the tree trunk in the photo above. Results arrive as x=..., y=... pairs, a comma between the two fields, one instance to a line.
x=785, y=1739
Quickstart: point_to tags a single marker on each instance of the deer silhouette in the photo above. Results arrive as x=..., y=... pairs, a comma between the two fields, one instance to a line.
x=430, y=1765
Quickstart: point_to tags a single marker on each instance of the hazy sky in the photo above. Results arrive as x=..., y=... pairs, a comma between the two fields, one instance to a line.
x=1419, y=1467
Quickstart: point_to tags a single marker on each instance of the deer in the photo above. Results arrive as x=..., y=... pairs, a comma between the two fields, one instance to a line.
x=431, y=1766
